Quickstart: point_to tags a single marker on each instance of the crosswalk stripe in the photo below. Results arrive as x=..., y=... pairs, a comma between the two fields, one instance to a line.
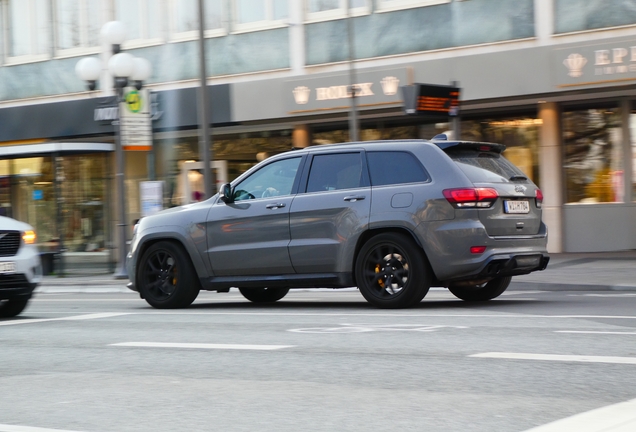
x=619, y=417
x=557, y=357
x=18, y=428
x=200, y=346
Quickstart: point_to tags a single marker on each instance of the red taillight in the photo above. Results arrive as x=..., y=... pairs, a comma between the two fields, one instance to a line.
x=538, y=197
x=471, y=197
x=477, y=249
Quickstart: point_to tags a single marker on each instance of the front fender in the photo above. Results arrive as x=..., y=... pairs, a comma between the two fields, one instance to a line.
x=192, y=237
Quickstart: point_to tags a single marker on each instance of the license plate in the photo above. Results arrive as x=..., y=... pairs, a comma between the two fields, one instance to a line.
x=517, y=206
x=7, y=267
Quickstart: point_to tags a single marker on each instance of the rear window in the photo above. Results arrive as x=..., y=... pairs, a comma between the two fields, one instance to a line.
x=485, y=167
x=395, y=167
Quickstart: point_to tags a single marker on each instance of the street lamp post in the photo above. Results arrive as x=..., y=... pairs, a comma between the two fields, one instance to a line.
x=124, y=68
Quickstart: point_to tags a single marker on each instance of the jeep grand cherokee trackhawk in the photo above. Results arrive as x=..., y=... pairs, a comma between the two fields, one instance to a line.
x=390, y=217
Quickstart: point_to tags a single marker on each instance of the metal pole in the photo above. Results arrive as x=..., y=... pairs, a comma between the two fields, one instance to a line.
x=353, y=117
x=121, y=272
x=58, y=179
x=204, y=131
x=456, y=123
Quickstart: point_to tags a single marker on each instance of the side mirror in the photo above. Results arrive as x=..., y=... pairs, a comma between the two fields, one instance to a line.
x=226, y=193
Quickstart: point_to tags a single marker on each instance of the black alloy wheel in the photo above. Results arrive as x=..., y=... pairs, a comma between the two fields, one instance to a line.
x=11, y=308
x=392, y=271
x=166, y=276
x=483, y=292
x=264, y=295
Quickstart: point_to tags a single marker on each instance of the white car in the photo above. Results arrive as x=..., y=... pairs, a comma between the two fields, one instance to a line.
x=20, y=268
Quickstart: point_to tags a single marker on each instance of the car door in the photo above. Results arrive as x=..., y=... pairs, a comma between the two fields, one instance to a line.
x=328, y=217
x=250, y=235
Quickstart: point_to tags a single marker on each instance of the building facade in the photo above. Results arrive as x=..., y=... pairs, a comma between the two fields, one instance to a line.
x=554, y=80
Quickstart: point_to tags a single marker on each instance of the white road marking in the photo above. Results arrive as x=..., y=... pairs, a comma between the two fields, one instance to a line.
x=604, y=295
x=17, y=428
x=71, y=318
x=397, y=314
x=619, y=417
x=365, y=328
x=595, y=332
x=557, y=357
x=201, y=346
x=513, y=293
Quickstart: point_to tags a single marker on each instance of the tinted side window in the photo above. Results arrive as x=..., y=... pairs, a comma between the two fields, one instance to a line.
x=335, y=171
x=395, y=167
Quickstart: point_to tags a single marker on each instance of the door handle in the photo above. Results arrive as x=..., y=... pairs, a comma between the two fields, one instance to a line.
x=354, y=198
x=275, y=206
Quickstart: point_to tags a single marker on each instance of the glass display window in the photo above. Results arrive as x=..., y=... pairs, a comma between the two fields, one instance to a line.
x=592, y=161
x=520, y=135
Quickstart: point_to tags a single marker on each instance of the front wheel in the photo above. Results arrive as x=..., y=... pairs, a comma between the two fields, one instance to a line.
x=166, y=276
x=264, y=295
x=484, y=292
x=392, y=271
x=11, y=308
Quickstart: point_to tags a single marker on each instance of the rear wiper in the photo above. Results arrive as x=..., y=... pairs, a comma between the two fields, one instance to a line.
x=518, y=177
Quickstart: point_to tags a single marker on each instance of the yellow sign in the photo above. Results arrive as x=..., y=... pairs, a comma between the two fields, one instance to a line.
x=133, y=101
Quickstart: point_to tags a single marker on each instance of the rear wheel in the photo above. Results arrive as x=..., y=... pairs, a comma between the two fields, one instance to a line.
x=264, y=295
x=483, y=292
x=392, y=271
x=11, y=308
x=166, y=276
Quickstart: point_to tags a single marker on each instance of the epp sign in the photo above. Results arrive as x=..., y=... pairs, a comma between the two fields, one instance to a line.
x=433, y=100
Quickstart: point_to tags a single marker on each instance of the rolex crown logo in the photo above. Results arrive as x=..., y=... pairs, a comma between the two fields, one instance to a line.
x=390, y=85
x=301, y=95
x=575, y=63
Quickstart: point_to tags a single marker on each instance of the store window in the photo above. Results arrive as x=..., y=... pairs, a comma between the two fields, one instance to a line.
x=520, y=135
x=142, y=19
x=78, y=23
x=29, y=28
x=318, y=10
x=388, y=5
x=581, y=15
x=632, y=134
x=257, y=14
x=185, y=18
x=593, y=155
x=28, y=193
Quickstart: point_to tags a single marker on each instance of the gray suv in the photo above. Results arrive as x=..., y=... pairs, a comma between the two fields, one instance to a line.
x=390, y=217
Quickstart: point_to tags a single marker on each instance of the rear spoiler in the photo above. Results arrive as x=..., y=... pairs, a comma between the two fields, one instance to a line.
x=443, y=143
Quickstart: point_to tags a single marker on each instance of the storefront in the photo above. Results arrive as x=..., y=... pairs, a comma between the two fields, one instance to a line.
x=57, y=163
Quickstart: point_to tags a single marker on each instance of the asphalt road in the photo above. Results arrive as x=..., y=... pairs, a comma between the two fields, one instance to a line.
x=319, y=361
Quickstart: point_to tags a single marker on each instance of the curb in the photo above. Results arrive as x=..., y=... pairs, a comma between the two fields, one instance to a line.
x=543, y=286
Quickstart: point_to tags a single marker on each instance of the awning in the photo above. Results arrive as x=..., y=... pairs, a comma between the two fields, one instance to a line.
x=30, y=150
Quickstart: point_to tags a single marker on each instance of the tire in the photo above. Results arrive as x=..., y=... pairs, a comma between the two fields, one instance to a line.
x=392, y=271
x=264, y=295
x=11, y=308
x=166, y=276
x=485, y=292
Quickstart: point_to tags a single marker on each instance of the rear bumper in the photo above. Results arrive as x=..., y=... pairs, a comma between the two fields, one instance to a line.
x=508, y=265
x=447, y=246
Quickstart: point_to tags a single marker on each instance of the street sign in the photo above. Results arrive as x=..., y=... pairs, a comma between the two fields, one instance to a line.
x=135, y=120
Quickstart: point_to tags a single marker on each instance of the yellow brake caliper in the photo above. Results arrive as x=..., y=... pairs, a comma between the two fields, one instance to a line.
x=380, y=281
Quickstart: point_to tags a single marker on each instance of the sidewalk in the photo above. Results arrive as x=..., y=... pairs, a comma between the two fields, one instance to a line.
x=601, y=271
x=566, y=272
